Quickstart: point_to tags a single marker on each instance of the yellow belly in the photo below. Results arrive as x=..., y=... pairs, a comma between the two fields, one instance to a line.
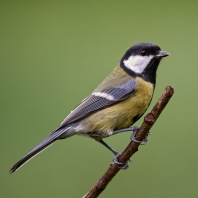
x=123, y=114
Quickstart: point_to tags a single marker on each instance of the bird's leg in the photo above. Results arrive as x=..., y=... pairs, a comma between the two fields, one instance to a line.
x=106, y=145
x=124, y=165
x=134, y=129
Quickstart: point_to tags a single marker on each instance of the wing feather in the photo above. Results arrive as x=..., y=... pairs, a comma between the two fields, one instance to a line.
x=100, y=100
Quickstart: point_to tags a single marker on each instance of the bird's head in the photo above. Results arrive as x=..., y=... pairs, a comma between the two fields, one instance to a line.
x=142, y=59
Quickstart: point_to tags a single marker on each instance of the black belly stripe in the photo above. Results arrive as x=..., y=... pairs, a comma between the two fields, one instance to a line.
x=135, y=118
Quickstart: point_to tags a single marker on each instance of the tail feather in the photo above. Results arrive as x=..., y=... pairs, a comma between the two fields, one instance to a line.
x=38, y=149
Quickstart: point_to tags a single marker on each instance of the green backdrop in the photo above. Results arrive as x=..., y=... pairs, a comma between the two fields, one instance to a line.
x=53, y=54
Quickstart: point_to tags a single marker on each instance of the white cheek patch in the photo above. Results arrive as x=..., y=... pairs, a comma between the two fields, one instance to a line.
x=103, y=95
x=137, y=63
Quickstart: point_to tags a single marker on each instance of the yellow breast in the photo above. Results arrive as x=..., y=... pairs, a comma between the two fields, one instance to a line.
x=123, y=114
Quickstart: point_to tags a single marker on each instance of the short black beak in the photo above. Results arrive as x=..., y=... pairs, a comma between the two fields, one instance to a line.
x=163, y=54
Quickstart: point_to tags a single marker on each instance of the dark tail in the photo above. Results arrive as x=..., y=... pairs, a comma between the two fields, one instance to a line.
x=39, y=148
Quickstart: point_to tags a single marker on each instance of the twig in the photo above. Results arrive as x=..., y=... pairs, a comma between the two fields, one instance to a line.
x=141, y=133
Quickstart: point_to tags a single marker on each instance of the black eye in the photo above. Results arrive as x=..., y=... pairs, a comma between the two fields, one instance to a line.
x=143, y=53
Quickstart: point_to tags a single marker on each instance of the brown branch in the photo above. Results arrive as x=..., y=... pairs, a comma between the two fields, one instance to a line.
x=141, y=133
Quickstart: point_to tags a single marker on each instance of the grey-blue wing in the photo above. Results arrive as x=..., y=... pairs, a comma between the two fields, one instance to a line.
x=100, y=100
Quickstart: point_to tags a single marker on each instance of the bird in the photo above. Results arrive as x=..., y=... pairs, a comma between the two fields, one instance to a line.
x=115, y=105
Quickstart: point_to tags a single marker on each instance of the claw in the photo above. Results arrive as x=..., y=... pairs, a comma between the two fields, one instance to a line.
x=124, y=165
x=144, y=141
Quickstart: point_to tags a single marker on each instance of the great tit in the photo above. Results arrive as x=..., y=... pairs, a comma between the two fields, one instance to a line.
x=117, y=103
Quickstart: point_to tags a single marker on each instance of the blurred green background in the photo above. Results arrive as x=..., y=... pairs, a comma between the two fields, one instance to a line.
x=53, y=54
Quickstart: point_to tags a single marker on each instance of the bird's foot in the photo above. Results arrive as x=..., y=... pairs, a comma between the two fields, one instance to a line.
x=134, y=129
x=122, y=166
